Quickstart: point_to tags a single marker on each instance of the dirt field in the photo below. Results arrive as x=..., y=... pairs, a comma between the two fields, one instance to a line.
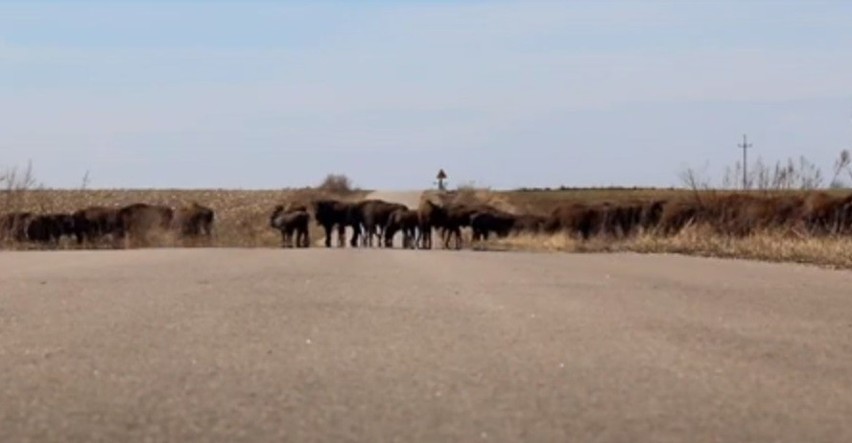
x=254, y=345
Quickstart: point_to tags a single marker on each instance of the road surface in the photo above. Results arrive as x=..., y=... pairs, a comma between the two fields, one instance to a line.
x=410, y=346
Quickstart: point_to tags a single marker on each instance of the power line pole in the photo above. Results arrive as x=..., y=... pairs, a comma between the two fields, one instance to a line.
x=744, y=146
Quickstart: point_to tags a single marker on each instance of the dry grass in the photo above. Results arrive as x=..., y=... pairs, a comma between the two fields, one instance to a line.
x=776, y=246
x=831, y=251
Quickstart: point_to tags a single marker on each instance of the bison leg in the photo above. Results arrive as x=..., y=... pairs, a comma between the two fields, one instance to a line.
x=329, y=228
x=426, y=236
x=381, y=235
x=369, y=232
x=412, y=238
x=306, y=239
x=367, y=240
x=389, y=234
x=447, y=235
x=458, y=235
x=341, y=235
x=356, y=233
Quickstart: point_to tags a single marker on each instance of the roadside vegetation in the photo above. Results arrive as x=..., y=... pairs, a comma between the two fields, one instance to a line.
x=790, y=211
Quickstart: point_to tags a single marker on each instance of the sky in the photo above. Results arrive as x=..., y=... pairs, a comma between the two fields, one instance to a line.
x=504, y=94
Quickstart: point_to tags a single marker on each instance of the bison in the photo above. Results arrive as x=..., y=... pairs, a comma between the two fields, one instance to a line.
x=429, y=216
x=93, y=223
x=139, y=220
x=374, y=215
x=50, y=228
x=402, y=220
x=577, y=219
x=194, y=220
x=528, y=224
x=13, y=226
x=291, y=222
x=485, y=222
x=825, y=214
x=331, y=214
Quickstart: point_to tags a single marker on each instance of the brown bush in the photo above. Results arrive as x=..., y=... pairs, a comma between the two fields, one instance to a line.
x=337, y=184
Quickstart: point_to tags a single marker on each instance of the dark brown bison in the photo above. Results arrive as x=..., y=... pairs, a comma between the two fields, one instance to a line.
x=137, y=222
x=13, y=226
x=677, y=214
x=620, y=219
x=95, y=222
x=331, y=214
x=741, y=215
x=291, y=222
x=826, y=214
x=429, y=217
x=402, y=220
x=487, y=222
x=50, y=228
x=734, y=214
x=615, y=219
x=457, y=217
x=194, y=220
x=652, y=211
x=528, y=224
x=581, y=219
x=374, y=216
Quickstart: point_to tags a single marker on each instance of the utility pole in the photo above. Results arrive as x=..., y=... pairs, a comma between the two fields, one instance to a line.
x=744, y=146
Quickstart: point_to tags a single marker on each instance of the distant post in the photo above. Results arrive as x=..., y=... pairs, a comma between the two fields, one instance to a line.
x=441, y=177
x=744, y=146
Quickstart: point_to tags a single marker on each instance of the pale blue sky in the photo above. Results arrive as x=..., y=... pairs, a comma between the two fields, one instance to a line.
x=506, y=94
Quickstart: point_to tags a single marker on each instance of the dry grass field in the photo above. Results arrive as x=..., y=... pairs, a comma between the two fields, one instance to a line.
x=768, y=245
x=242, y=221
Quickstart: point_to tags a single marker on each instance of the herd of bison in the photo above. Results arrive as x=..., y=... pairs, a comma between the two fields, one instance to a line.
x=374, y=222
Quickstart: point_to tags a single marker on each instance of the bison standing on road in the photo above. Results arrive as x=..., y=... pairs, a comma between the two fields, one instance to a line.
x=402, y=220
x=458, y=216
x=194, y=220
x=93, y=223
x=138, y=221
x=528, y=224
x=50, y=228
x=374, y=217
x=429, y=216
x=485, y=222
x=291, y=222
x=331, y=214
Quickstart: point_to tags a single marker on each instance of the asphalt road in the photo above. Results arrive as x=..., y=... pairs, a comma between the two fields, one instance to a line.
x=410, y=346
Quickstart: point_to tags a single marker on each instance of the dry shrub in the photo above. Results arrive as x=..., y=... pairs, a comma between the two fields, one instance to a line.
x=767, y=245
x=337, y=184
